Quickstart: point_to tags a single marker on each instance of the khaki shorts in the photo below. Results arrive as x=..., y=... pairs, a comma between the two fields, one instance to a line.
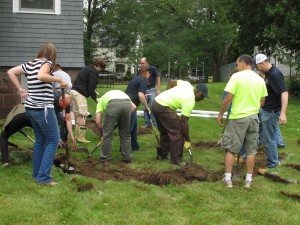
x=79, y=104
x=239, y=132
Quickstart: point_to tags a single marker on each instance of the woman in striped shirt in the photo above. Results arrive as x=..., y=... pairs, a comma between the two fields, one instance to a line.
x=40, y=109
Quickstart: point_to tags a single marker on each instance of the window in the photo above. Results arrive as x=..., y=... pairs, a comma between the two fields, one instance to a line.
x=120, y=68
x=37, y=6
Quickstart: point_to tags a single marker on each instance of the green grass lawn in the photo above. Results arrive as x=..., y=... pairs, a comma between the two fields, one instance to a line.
x=109, y=202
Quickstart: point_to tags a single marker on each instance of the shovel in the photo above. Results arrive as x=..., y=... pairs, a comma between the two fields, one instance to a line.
x=191, y=156
x=152, y=126
x=26, y=135
x=91, y=153
x=237, y=171
x=20, y=147
x=66, y=145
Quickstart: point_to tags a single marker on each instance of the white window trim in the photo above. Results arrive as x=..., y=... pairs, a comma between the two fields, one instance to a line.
x=57, y=10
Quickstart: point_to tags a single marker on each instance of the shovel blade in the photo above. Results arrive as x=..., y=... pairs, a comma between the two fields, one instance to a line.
x=237, y=171
x=191, y=156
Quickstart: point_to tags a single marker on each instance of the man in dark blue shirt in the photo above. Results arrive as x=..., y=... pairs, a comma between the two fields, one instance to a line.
x=153, y=88
x=274, y=108
x=136, y=90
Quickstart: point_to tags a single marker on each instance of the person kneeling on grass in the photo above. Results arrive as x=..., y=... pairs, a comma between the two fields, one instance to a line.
x=114, y=107
x=17, y=119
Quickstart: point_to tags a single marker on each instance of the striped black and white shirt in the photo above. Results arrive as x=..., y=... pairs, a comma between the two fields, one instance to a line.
x=40, y=94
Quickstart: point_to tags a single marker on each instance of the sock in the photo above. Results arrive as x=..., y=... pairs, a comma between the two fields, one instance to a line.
x=227, y=176
x=249, y=176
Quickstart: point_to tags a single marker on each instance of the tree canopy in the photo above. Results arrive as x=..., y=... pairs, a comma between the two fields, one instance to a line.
x=185, y=33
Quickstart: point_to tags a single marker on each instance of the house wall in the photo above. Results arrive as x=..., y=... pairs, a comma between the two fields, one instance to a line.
x=22, y=34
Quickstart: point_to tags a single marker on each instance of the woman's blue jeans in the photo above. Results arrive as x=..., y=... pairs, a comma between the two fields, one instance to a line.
x=269, y=122
x=45, y=127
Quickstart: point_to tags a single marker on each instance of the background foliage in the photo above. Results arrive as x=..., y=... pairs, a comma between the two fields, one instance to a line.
x=188, y=33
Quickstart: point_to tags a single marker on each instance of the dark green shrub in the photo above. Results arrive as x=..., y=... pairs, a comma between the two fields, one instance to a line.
x=294, y=86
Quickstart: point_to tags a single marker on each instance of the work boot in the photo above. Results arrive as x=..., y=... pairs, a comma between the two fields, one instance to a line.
x=76, y=131
x=81, y=135
x=262, y=171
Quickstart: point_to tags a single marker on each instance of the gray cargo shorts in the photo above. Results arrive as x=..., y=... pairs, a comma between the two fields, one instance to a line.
x=239, y=132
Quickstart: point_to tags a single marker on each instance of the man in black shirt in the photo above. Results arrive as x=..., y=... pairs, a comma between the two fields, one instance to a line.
x=274, y=108
x=136, y=90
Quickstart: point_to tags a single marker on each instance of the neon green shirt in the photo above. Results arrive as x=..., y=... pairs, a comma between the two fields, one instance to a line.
x=248, y=88
x=104, y=100
x=179, y=97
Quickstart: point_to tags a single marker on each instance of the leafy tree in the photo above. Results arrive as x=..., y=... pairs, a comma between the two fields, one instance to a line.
x=92, y=15
x=272, y=26
x=181, y=33
x=184, y=31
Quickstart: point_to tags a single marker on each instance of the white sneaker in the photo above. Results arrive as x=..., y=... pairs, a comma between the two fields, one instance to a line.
x=228, y=183
x=248, y=183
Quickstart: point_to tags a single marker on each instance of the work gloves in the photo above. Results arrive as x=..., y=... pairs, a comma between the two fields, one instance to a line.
x=187, y=144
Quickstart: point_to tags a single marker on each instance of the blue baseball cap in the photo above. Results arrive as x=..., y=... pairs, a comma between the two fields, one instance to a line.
x=203, y=88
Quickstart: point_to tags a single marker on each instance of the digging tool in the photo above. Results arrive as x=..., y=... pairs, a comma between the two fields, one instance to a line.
x=152, y=126
x=237, y=171
x=26, y=135
x=65, y=128
x=19, y=147
x=90, y=154
x=191, y=156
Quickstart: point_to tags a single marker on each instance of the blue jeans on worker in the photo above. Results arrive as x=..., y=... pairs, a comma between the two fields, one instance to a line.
x=133, y=132
x=269, y=122
x=278, y=136
x=243, y=153
x=45, y=127
x=150, y=99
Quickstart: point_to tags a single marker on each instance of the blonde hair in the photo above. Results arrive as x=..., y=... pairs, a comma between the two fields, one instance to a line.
x=48, y=51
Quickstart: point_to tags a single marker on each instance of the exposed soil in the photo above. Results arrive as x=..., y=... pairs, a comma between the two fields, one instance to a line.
x=294, y=166
x=291, y=195
x=118, y=171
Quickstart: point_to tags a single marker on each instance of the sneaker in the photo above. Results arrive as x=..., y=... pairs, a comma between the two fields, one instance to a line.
x=181, y=163
x=228, y=183
x=145, y=127
x=248, y=183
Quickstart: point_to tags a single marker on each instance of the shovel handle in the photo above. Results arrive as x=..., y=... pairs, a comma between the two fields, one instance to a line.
x=152, y=125
x=90, y=154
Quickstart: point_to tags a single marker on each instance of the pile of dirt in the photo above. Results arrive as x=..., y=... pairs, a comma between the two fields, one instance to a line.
x=118, y=171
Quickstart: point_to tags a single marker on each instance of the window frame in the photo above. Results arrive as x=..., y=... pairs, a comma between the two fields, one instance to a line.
x=56, y=10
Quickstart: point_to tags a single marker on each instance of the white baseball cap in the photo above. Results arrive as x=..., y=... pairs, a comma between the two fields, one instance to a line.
x=259, y=58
